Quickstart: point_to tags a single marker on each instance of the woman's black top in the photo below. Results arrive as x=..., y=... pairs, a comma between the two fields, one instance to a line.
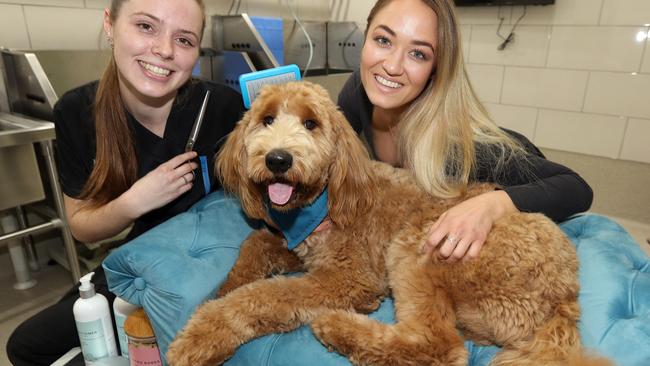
x=534, y=184
x=75, y=140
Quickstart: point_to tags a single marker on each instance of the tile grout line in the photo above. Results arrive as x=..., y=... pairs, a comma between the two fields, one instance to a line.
x=622, y=142
x=29, y=34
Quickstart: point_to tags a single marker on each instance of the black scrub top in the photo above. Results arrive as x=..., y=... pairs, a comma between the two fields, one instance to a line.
x=76, y=148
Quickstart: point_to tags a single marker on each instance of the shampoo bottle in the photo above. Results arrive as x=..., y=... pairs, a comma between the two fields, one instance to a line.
x=122, y=309
x=94, y=325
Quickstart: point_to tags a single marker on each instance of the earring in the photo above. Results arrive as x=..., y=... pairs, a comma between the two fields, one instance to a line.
x=109, y=39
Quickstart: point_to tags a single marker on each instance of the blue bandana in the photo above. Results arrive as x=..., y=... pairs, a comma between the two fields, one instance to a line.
x=297, y=224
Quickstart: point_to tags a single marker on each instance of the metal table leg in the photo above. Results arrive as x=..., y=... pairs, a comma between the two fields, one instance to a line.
x=9, y=224
x=28, y=243
x=68, y=240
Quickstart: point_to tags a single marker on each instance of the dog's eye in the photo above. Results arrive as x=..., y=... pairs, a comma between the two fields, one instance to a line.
x=267, y=120
x=310, y=124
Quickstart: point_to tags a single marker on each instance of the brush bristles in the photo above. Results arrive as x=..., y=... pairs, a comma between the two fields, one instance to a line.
x=137, y=325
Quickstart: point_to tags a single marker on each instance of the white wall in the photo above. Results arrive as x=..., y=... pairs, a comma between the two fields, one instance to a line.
x=576, y=79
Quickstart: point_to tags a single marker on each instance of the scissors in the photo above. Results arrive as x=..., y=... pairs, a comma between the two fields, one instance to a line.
x=189, y=146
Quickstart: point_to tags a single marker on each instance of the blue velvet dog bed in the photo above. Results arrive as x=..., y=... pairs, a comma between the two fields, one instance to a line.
x=176, y=266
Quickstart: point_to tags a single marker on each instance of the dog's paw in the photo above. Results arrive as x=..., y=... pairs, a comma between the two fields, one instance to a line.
x=334, y=330
x=182, y=352
x=369, y=307
x=206, y=340
x=189, y=350
x=321, y=329
x=457, y=356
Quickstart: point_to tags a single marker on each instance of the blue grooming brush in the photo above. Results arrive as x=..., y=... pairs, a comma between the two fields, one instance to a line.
x=252, y=83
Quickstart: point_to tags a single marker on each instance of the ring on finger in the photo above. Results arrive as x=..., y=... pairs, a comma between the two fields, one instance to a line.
x=192, y=171
x=452, y=239
x=185, y=179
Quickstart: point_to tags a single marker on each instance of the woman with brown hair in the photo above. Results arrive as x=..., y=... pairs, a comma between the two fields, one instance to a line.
x=412, y=101
x=121, y=146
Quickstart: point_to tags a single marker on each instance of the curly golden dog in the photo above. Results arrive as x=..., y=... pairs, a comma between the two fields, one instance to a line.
x=520, y=293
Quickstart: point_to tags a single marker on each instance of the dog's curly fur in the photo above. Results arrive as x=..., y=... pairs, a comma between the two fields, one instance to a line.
x=520, y=293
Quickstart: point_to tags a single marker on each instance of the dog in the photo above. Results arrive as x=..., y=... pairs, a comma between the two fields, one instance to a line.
x=294, y=144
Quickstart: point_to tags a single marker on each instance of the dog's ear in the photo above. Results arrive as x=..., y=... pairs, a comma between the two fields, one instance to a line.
x=230, y=165
x=351, y=185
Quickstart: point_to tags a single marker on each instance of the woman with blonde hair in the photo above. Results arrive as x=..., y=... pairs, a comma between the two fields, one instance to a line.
x=413, y=103
x=121, y=146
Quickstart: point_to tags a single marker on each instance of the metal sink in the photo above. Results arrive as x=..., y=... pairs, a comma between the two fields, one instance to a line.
x=20, y=178
x=24, y=90
x=19, y=130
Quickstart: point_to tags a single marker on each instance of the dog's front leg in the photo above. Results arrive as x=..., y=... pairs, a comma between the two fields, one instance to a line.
x=277, y=304
x=208, y=338
x=261, y=255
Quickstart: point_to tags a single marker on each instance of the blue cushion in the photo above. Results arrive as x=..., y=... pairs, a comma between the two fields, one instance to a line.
x=174, y=267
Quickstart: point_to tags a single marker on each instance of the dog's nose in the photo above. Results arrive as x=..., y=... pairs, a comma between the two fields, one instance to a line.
x=278, y=161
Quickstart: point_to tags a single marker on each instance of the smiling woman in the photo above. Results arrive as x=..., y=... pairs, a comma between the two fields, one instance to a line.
x=414, y=104
x=396, y=67
x=154, y=48
x=121, y=146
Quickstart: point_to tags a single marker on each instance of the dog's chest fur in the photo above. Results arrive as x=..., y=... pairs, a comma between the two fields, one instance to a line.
x=401, y=214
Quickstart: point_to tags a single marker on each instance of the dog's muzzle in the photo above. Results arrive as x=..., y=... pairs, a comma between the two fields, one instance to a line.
x=278, y=161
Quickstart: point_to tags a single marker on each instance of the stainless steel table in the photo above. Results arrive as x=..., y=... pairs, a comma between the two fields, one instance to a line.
x=20, y=181
x=26, y=103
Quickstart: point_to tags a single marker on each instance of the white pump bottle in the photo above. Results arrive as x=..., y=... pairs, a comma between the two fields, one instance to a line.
x=94, y=325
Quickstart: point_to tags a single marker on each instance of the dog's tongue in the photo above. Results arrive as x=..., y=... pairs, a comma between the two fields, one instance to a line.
x=280, y=193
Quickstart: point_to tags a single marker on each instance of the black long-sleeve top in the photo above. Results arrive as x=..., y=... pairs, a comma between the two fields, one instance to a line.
x=534, y=183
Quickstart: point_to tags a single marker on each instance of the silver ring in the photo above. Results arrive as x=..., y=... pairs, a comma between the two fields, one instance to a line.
x=452, y=239
x=185, y=179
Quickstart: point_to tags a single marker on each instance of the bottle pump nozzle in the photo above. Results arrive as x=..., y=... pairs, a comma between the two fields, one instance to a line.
x=87, y=289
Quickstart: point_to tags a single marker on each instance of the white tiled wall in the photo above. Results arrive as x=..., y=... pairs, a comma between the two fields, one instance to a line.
x=487, y=81
x=516, y=118
x=13, y=30
x=625, y=12
x=624, y=94
x=560, y=128
x=636, y=139
x=531, y=50
x=82, y=28
x=544, y=88
x=576, y=78
x=591, y=48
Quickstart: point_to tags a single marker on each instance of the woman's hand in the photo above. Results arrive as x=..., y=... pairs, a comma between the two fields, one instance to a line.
x=161, y=185
x=461, y=231
x=156, y=189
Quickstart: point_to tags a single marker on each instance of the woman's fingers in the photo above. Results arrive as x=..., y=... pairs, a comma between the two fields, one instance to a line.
x=460, y=250
x=186, y=168
x=187, y=178
x=434, y=236
x=449, y=245
x=474, y=249
x=177, y=160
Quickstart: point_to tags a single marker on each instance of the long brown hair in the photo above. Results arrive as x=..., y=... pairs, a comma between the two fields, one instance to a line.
x=440, y=129
x=116, y=165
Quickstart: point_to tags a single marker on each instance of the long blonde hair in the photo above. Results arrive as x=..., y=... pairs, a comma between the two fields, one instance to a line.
x=440, y=129
x=116, y=166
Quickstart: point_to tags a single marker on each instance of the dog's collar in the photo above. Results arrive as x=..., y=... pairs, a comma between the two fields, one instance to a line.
x=297, y=224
